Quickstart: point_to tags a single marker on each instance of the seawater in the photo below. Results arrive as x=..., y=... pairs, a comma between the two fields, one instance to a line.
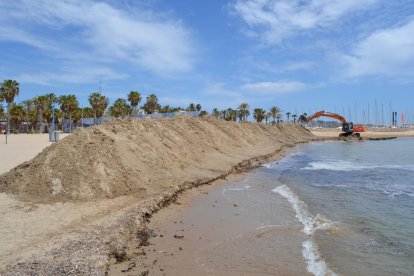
x=355, y=201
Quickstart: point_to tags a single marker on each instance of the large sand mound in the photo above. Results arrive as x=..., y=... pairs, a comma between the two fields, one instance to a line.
x=143, y=157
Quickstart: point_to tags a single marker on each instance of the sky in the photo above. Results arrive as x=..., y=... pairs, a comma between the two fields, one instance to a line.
x=300, y=55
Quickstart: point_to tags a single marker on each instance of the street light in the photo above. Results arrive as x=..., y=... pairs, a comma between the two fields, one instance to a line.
x=52, y=137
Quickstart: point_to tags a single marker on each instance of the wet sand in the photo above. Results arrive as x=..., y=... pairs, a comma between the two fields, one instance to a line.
x=209, y=233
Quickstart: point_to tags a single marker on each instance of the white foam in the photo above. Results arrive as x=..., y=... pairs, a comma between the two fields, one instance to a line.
x=270, y=226
x=270, y=165
x=341, y=165
x=315, y=263
x=301, y=210
x=244, y=188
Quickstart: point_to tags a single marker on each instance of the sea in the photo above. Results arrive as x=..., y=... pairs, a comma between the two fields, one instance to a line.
x=355, y=201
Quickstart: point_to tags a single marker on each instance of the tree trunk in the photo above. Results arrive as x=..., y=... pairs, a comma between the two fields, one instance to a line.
x=94, y=117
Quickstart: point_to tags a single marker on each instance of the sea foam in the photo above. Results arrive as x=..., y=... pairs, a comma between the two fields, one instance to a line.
x=341, y=165
x=315, y=263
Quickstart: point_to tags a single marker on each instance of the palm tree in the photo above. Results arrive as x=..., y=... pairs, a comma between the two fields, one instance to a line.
x=134, y=98
x=279, y=118
x=103, y=105
x=77, y=115
x=203, y=113
x=240, y=115
x=99, y=103
x=216, y=113
x=294, y=118
x=87, y=112
x=230, y=114
x=288, y=115
x=267, y=116
x=166, y=109
x=244, y=109
x=1, y=110
x=30, y=111
x=44, y=105
x=9, y=89
x=17, y=115
x=274, y=110
x=152, y=104
x=191, y=107
x=120, y=108
x=259, y=114
x=69, y=104
x=59, y=117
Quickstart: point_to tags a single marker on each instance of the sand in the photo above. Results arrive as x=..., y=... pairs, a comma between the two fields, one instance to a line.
x=21, y=148
x=142, y=157
x=79, y=202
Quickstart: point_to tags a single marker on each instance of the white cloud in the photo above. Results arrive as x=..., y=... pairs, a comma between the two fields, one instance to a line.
x=84, y=75
x=274, y=88
x=106, y=33
x=17, y=35
x=276, y=20
x=387, y=52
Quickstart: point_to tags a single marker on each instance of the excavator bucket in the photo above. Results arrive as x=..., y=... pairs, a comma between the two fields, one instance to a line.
x=302, y=119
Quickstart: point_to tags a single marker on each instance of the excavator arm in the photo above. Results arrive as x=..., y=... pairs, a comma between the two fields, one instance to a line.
x=322, y=113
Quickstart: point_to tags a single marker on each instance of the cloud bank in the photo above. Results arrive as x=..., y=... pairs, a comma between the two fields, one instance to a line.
x=92, y=32
x=276, y=20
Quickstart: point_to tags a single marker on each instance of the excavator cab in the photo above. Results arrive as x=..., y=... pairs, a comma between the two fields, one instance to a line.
x=348, y=128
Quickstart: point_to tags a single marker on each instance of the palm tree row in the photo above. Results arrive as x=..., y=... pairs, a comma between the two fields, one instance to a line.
x=38, y=111
x=243, y=112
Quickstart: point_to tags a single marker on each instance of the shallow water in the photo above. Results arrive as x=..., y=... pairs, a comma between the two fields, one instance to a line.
x=329, y=208
x=364, y=192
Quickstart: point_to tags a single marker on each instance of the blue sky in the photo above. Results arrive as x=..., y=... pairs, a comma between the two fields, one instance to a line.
x=299, y=55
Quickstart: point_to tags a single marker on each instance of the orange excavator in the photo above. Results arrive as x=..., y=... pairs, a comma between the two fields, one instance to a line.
x=348, y=128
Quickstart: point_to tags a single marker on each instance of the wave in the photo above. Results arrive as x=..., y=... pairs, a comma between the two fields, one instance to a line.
x=244, y=188
x=283, y=160
x=315, y=263
x=341, y=165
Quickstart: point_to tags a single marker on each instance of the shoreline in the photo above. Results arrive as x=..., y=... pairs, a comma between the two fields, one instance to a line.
x=173, y=241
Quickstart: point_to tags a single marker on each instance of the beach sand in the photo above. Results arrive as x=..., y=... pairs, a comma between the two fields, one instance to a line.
x=21, y=148
x=102, y=206
x=28, y=229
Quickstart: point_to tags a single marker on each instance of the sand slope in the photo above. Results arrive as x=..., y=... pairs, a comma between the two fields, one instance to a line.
x=142, y=157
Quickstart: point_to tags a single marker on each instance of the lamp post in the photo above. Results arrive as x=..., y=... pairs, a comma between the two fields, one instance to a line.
x=52, y=127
